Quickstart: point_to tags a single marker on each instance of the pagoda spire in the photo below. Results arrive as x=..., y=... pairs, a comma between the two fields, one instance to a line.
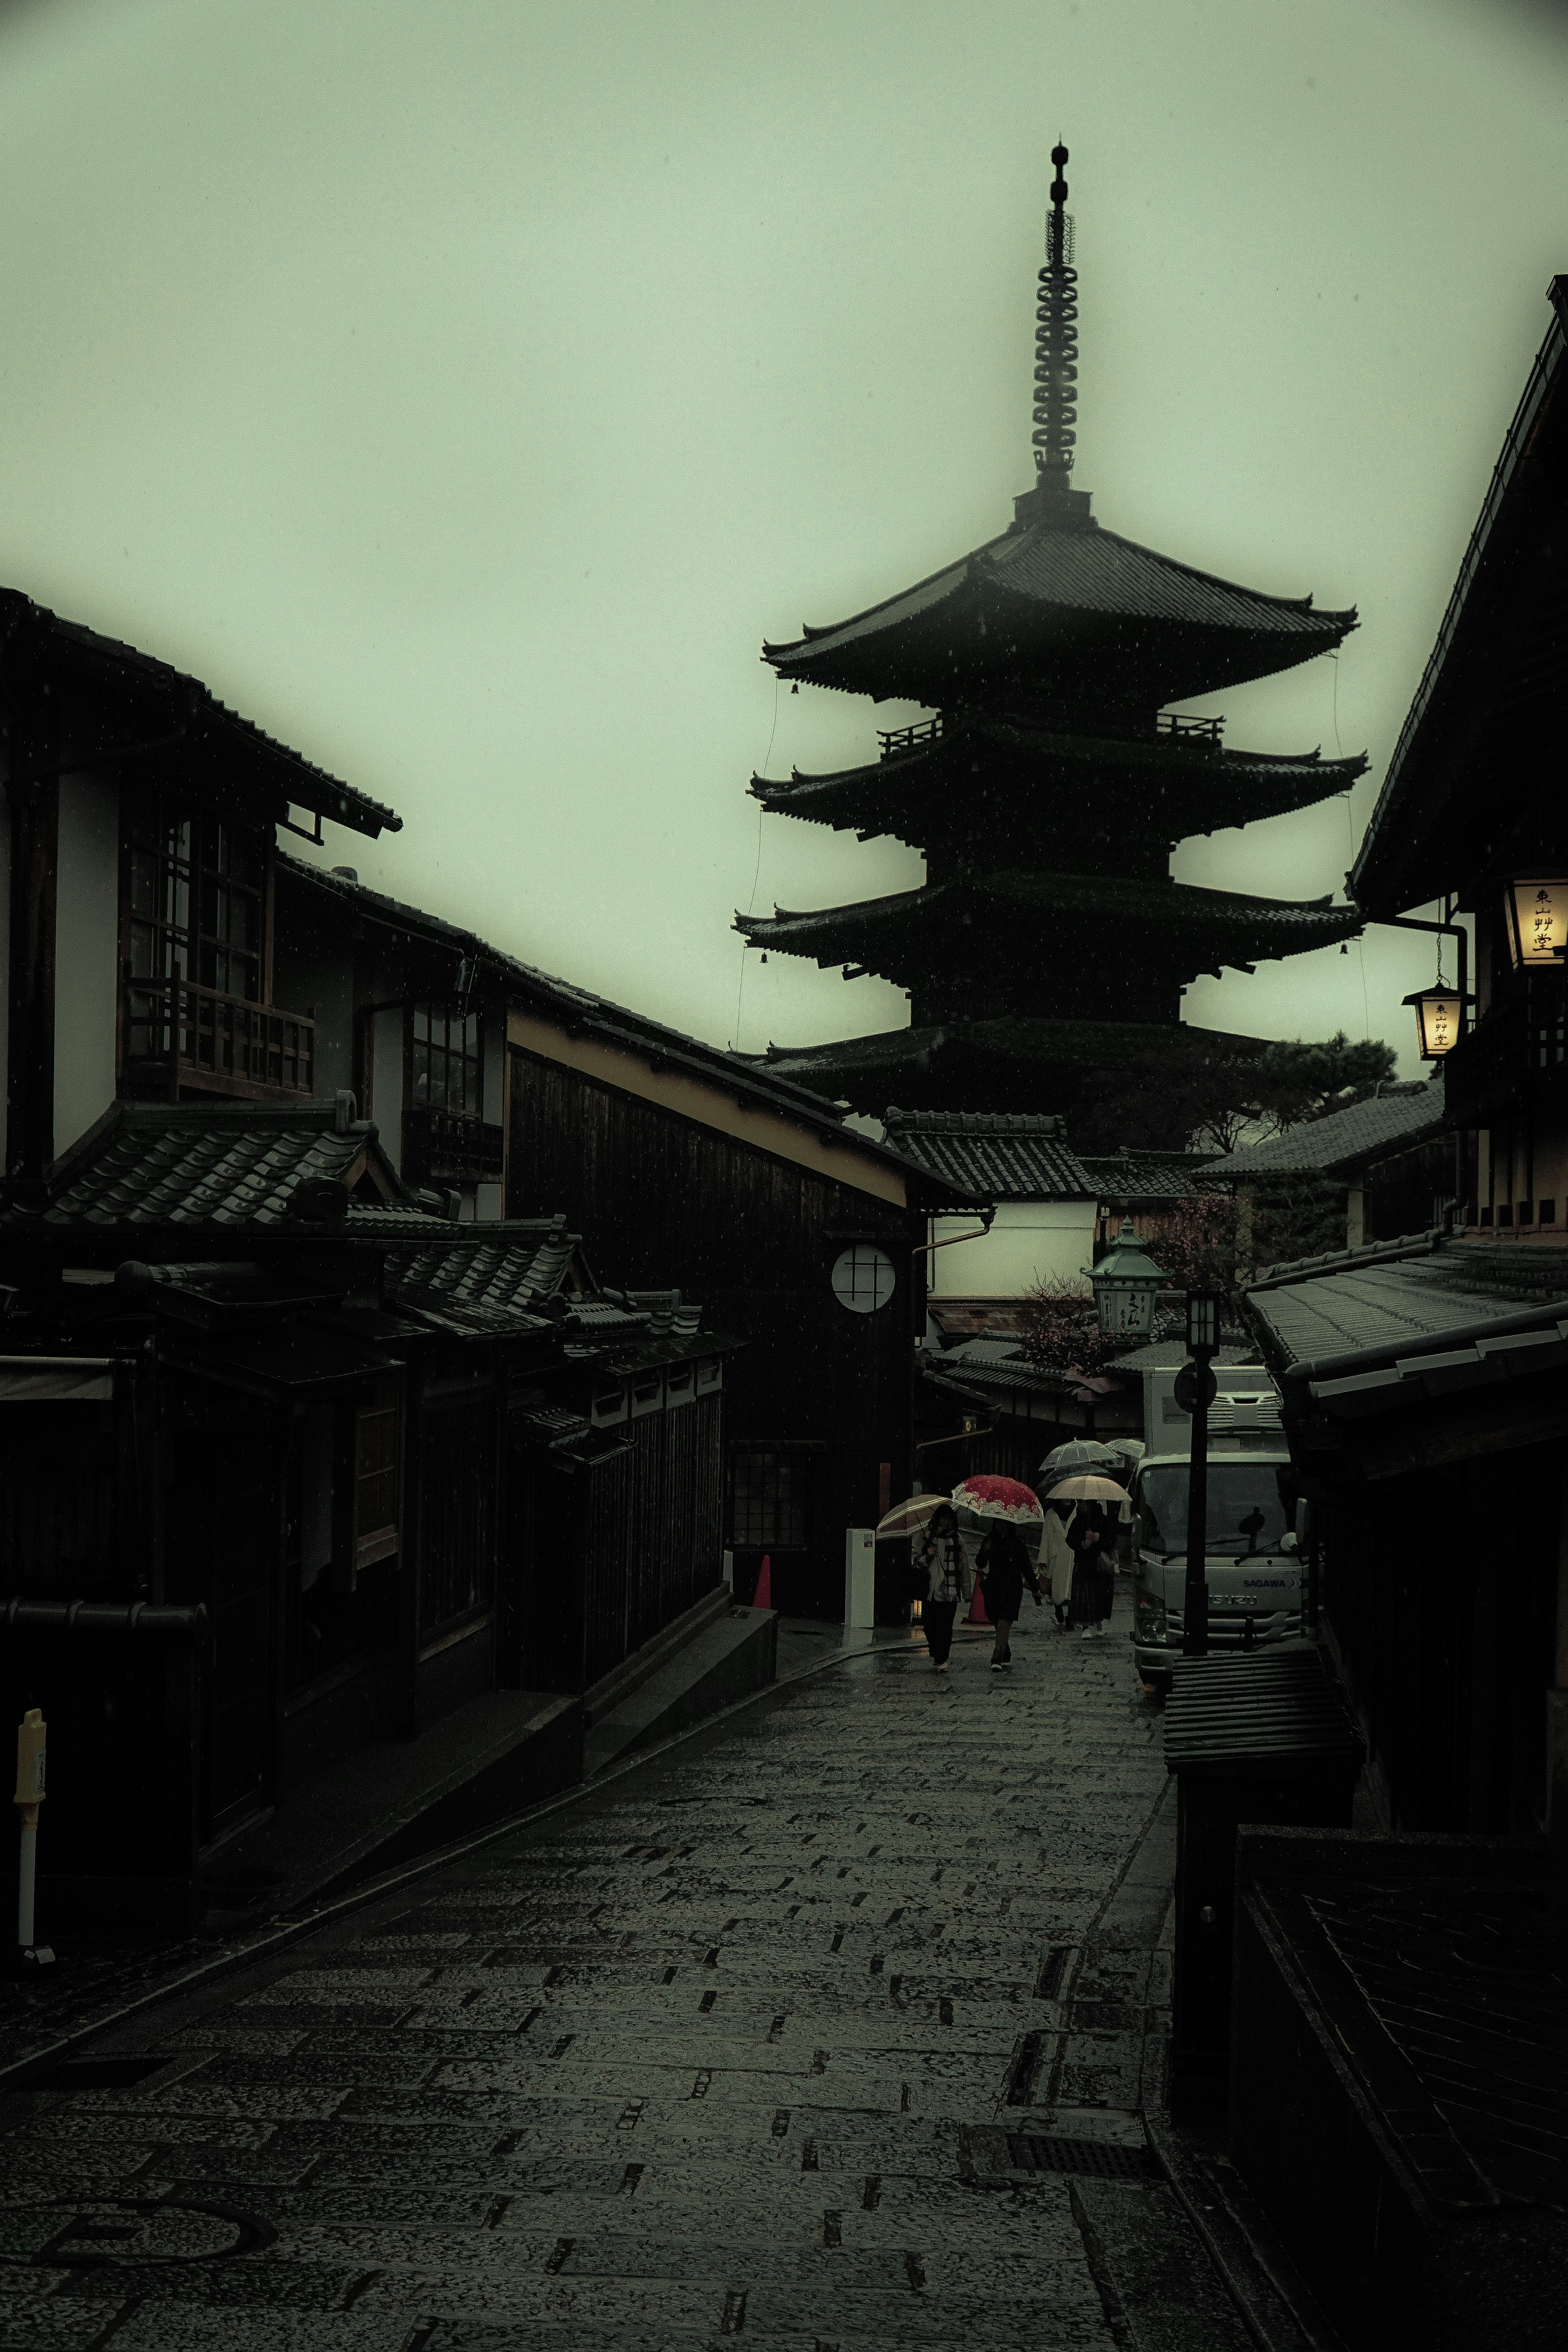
x=1056, y=343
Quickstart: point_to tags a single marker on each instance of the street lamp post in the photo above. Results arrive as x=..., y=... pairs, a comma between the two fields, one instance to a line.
x=1196, y=1379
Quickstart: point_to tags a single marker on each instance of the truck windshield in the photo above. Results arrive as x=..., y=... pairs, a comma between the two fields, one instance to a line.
x=1245, y=1510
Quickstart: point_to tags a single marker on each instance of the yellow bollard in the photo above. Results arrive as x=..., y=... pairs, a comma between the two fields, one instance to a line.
x=32, y=1743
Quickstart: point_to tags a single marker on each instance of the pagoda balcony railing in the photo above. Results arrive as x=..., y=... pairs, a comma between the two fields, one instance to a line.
x=446, y=1146
x=1517, y=1055
x=178, y=1034
x=1203, y=734
x=894, y=739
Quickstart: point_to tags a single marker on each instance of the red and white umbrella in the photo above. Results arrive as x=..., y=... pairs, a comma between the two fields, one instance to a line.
x=986, y=1501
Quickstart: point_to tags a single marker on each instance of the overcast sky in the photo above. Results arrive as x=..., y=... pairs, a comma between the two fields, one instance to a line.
x=464, y=392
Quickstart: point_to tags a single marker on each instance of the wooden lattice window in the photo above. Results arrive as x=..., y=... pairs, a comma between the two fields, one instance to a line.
x=375, y=1482
x=446, y=1073
x=769, y=1499
x=197, y=889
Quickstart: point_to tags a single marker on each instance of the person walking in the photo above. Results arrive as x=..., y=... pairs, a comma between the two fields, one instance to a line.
x=1005, y=1569
x=1057, y=1557
x=1094, y=1572
x=949, y=1579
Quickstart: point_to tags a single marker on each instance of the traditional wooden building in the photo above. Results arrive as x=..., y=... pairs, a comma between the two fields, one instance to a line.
x=303, y=1446
x=687, y=1166
x=1396, y=2083
x=1035, y=1202
x=1049, y=658
x=1372, y=1172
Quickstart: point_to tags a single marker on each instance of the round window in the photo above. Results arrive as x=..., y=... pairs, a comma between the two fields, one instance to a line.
x=863, y=1278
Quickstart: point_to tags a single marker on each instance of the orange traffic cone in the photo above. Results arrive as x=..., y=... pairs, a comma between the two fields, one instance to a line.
x=763, y=1597
x=977, y=1606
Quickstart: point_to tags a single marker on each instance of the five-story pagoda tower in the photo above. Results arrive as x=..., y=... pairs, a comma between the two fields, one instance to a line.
x=1049, y=788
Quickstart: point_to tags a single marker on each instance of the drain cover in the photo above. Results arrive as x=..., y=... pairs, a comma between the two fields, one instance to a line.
x=125, y=2230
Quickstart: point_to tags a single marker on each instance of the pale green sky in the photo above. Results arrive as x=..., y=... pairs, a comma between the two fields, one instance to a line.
x=465, y=391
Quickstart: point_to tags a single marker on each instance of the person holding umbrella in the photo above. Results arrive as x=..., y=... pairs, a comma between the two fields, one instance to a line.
x=939, y=1554
x=1093, y=1550
x=1003, y=1519
x=1005, y=1569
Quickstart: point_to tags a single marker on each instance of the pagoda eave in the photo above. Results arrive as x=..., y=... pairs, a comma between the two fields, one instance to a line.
x=919, y=1067
x=919, y=795
x=1045, y=920
x=1047, y=601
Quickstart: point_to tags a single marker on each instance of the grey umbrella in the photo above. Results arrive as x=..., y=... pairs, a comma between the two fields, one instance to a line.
x=1077, y=1454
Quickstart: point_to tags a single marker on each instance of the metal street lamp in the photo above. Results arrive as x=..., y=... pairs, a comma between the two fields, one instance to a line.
x=1536, y=913
x=1440, y=1020
x=1126, y=1283
x=1202, y=1343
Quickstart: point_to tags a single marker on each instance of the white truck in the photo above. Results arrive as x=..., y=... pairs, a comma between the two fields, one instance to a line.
x=1252, y=1562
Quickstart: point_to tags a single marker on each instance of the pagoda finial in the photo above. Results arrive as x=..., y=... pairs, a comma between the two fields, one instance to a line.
x=1056, y=343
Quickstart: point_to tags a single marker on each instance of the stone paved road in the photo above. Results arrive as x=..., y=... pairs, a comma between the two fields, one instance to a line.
x=765, y=2043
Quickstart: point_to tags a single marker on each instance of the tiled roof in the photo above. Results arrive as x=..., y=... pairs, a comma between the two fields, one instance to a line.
x=207, y=1164
x=1181, y=922
x=940, y=1059
x=992, y=1155
x=964, y=1372
x=1080, y=571
x=499, y=1284
x=1189, y=788
x=1501, y=633
x=976, y=1318
x=746, y=1078
x=1346, y=1140
x=184, y=702
x=1170, y=1355
x=1151, y=1179
x=1360, y=1331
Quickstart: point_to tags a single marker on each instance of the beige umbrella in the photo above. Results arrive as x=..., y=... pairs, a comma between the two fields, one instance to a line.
x=1091, y=1490
x=908, y=1518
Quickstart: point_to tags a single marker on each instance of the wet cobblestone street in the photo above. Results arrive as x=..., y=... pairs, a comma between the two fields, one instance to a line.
x=777, y=2040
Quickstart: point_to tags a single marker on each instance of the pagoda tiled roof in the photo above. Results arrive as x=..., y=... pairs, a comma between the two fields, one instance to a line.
x=1183, y=785
x=1045, y=594
x=939, y=1059
x=992, y=1155
x=1178, y=924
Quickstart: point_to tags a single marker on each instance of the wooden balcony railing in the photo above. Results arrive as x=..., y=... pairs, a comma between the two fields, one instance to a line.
x=904, y=739
x=1518, y=1055
x=179, y=1033
x=444, y=1147
x=1202, y=733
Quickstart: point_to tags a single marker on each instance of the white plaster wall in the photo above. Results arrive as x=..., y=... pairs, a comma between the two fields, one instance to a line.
x=1030, y=1242
x=87, y=951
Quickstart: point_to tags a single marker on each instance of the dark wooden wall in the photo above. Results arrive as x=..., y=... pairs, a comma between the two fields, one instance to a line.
x=1439, y=1591
x=661, y=1202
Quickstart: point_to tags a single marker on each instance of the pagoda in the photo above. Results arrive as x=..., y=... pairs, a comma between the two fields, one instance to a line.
x=1048, y=789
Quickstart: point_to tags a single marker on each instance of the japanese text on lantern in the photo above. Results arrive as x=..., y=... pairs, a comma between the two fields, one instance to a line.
x=1538, y=926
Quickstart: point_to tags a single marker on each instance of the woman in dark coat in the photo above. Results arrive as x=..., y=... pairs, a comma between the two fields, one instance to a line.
x=1004, y=1568
x=939, y=1553
x=1094, y=1571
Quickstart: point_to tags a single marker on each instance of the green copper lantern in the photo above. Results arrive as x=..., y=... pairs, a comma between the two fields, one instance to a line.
x=1126, y=1283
